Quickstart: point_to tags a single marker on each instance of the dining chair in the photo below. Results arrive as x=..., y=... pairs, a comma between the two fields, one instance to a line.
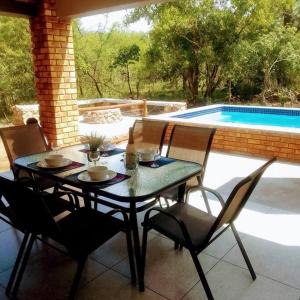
x=55, y=202
x=190, y=143
x=195, y=229
x=25, y=140
x=149, y=133
x=80, y=232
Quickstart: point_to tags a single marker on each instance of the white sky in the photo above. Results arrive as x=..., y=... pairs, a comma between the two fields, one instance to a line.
x=107, y=20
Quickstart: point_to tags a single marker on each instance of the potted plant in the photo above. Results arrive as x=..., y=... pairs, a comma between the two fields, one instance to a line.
x=95, y=142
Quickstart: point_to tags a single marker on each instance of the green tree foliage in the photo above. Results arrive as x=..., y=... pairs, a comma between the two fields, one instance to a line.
x=200, y=50
x=108, y=62
x=212, y=44
x=127, y=56
x=16, y=69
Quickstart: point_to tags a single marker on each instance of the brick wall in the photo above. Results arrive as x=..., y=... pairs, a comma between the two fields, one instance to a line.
x=55, y=78
x=285, y=146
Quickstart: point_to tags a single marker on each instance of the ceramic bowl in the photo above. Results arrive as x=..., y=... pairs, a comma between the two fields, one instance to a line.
x=98, y=172
x=54, y=160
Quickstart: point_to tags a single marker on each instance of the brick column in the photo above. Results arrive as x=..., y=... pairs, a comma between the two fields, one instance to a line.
x=55, y=77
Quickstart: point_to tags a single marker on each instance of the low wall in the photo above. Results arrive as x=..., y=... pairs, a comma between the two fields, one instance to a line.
x=22, y=112
x=107, y=116
x=262, y=143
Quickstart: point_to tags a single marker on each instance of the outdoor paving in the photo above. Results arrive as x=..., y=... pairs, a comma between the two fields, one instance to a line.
x=269, y=227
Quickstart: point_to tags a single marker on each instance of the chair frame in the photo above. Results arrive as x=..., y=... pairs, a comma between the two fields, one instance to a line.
x=200, y=177
x=31, y=235
x=163, y=132
x=194, y=251
x=6, y=146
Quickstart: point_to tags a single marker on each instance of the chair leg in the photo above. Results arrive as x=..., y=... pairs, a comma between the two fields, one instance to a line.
x=137, y=250
x=144, y=251
x=17, y=263
x=22, y=267
x=77, y=278
x=244, y=253
x=130, y=256
x=201, y=275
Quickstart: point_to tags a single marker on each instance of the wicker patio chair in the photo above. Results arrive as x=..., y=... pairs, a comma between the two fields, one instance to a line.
x=79, y=233
x=190, y=143
x=195, y=229
x=149, y=133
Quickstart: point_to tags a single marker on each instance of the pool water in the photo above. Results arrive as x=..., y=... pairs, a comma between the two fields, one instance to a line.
x=252, y=118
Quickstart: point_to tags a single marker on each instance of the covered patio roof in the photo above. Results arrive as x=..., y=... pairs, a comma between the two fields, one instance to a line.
x=70, y=8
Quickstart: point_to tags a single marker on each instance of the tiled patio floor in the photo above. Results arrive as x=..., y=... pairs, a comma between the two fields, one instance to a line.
x=269, y=226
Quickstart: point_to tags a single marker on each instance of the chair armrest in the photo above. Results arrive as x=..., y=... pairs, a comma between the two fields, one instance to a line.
x=116, y=211
x=206, y=189
x=73, y=198
x=28, y=181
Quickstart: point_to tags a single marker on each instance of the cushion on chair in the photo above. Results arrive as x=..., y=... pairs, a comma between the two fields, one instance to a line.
x=197, y=222
x=86, y=229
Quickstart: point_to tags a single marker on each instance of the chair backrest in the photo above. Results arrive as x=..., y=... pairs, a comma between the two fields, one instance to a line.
x=27, y=208
x=149, y=133
x=191, y=143
x=23, y=140
x=238, y=197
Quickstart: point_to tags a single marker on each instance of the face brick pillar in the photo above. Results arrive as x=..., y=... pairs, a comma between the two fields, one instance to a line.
x=55, y=77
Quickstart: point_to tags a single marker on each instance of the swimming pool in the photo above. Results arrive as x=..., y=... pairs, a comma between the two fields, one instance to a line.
x=253, y=130
x=279, y=117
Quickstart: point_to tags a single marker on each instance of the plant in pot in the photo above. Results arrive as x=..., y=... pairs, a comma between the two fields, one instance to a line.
x=95, y=142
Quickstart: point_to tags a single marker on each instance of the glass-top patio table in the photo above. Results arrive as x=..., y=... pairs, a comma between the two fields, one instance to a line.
x=128, y=191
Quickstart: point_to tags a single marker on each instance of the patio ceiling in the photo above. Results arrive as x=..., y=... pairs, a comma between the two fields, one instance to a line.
x=70, y=8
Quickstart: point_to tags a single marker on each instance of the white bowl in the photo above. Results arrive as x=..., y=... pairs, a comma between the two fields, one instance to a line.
x=147, y=154
x=98, y=172
x=54, y=160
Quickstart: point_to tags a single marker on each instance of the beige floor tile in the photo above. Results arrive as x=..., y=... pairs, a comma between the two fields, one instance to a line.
x=2, y=294
x=115, y=250
x=4, y=226
x=277, y=261
x=221, y=245
x=49, y=276
x=113, y=286
x=228, y=282
x=10, y=241
x=168, y=272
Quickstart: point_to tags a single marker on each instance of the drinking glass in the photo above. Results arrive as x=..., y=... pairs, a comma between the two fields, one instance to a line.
x=156, y=156
x=94, y=156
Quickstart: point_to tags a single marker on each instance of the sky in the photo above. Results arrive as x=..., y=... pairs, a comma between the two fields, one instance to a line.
x=106, y=21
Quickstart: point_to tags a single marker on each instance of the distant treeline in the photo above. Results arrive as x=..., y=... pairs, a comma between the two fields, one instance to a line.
x=203, y=51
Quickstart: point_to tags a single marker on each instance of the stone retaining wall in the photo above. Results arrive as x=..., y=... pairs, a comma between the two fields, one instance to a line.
x=106, y=116
x=22, y=112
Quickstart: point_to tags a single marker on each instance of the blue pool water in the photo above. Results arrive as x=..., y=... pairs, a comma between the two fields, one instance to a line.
x=247, y=115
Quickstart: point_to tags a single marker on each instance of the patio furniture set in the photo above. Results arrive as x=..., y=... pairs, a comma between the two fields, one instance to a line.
x=62, y=203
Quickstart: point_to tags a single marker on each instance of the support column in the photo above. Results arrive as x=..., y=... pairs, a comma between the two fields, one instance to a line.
x=55, y=77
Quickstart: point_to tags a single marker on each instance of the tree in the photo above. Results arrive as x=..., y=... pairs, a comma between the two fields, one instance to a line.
x=197, y=40
x=127, y=56
x=16, y=68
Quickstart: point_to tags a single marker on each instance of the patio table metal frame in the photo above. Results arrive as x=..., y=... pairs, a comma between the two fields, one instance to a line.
x=145, y=183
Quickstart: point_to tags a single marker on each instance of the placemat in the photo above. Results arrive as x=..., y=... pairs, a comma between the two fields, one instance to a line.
x=162, y=161
x=106, y=153
x=100, y=185
x=71, y=166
